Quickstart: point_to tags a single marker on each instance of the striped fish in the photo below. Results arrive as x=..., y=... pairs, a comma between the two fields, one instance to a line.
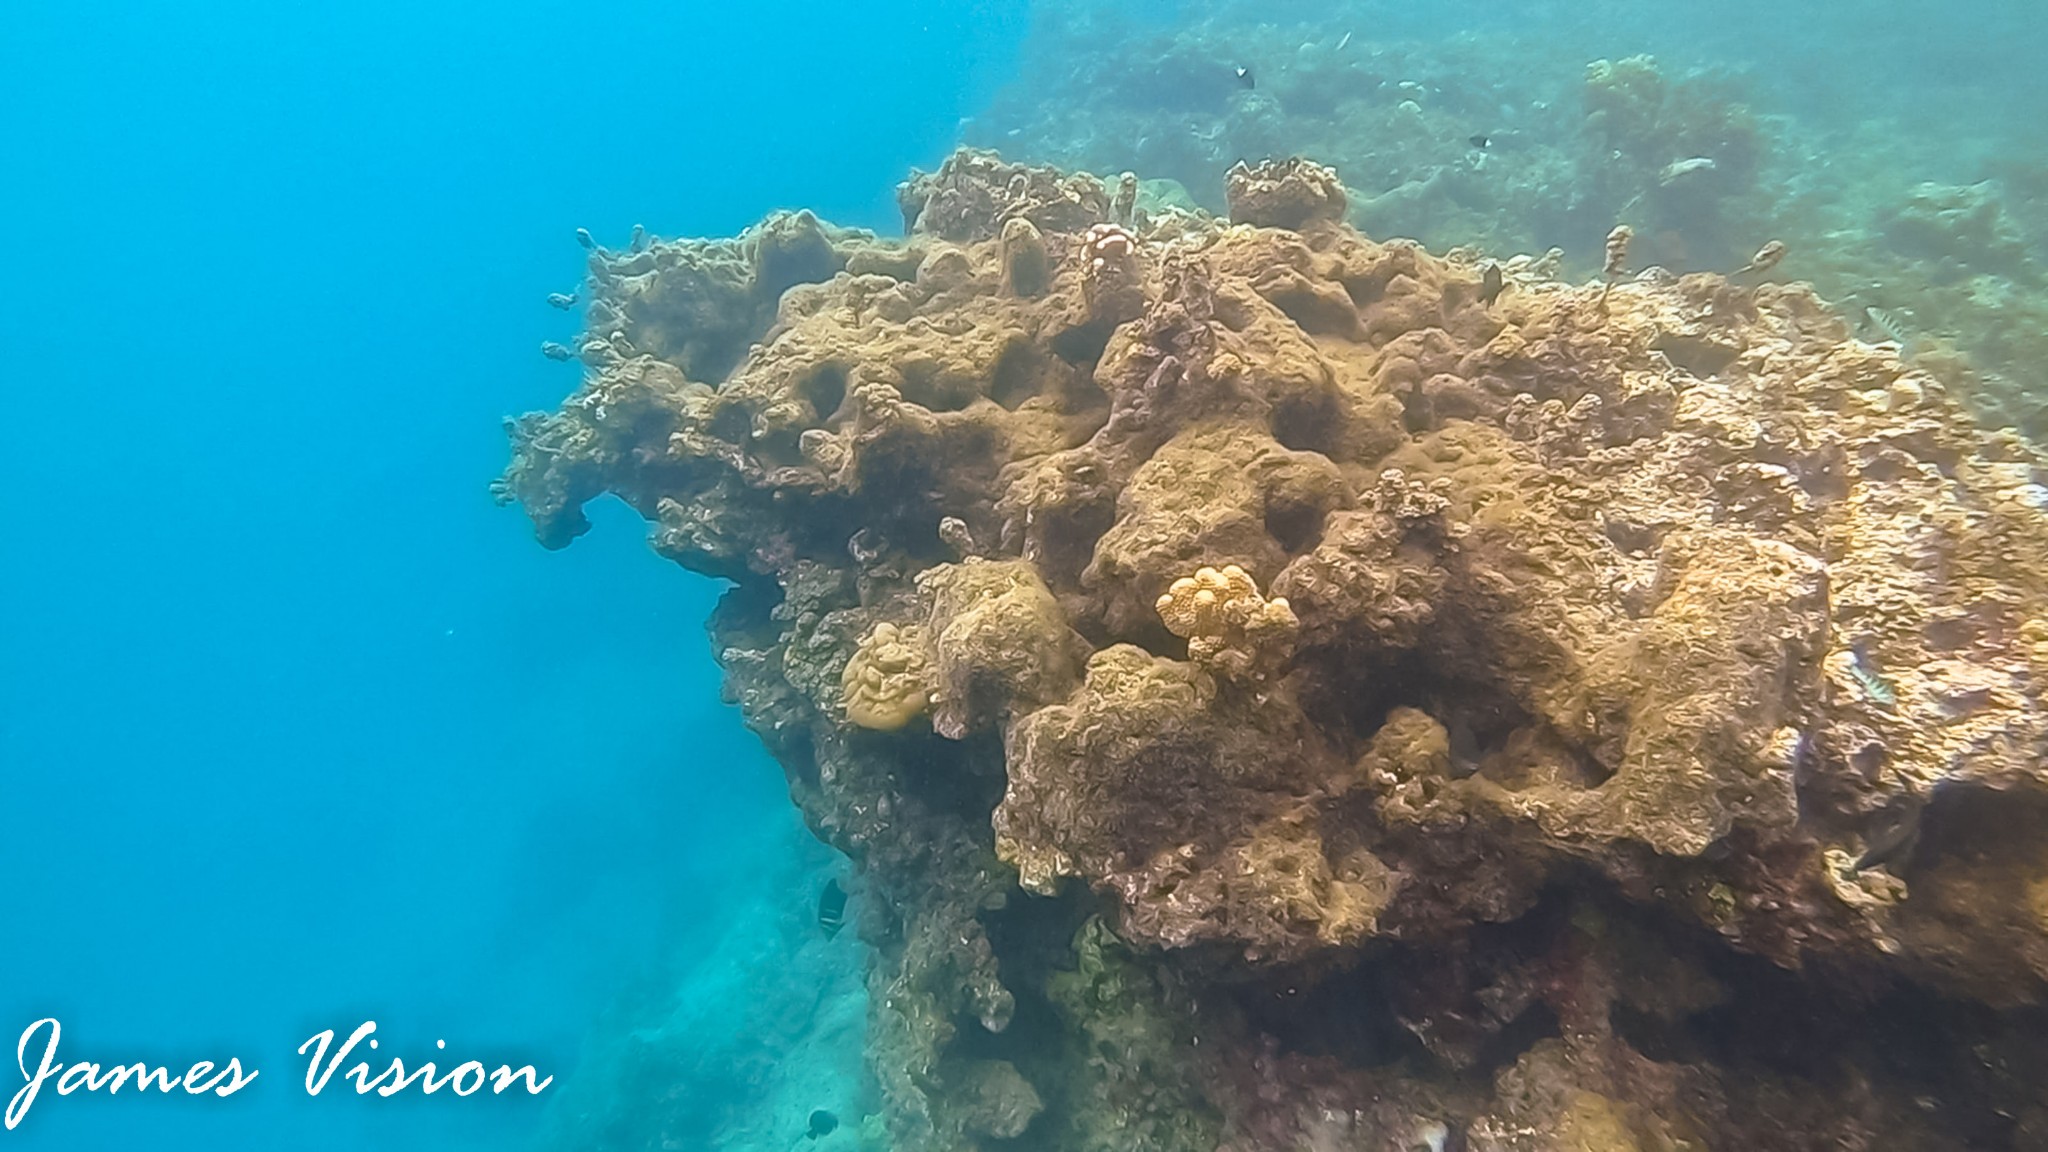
x=1875, y=688
x=1886, y=324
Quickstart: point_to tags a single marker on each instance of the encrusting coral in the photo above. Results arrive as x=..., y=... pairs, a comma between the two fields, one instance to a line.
x=1642, y=738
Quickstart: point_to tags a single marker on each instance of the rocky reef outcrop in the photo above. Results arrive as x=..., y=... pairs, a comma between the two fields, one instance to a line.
x=1279, y=694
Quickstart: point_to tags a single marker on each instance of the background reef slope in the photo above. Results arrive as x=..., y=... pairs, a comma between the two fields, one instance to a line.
x=1897, y=148
x=1277, y=692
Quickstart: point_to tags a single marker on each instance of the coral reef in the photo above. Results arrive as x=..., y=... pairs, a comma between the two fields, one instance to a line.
x=1506, y=141
x=1639, y=744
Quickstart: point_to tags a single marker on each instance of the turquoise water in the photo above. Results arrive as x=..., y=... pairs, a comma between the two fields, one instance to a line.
x=298, y=729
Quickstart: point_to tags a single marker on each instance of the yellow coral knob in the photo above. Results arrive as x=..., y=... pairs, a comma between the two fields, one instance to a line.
x=884, y=684
x=1226, y=622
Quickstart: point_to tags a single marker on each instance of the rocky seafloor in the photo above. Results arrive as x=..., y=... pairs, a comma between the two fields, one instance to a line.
x=1278, y=692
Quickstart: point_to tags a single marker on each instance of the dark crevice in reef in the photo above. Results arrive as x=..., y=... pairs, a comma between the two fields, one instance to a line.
x=732, y=423
x=1295, y=526
x=1536, y=1023
x=1701, y=358
x=745, y=610
x=1069, y=542
x=962, y=778
x=1082, y=344
x=1309, y=424
x=1353, y=693
x=1019, y=375
x=1346, y=1015
x=824, y=390
x=1032, y=937
x=1472, y=1009
x=1965, y=824
x=1968, y=1068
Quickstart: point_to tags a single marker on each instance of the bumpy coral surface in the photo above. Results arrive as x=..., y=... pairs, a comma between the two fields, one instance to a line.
x=1638, y=742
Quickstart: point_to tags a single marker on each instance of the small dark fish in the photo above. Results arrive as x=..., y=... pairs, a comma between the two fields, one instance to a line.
x=823, y=1123
x=554, y=351
x=583, y=237
x=1480, y=140
x=1464, y=747
x=562, y=300
x=1891, y=838
x=1491, y=282
x=1244, y=78
x=831, y=909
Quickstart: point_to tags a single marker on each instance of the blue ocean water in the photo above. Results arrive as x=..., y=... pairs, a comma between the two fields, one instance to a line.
x=297, y=729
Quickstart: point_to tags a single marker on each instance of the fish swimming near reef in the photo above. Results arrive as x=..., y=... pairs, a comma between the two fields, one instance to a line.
x=554, y=351
x=831, y=908
x=1767, y=257
x=1465, y=751
x=1244, y=79
x=584, y=238
x=1875, y=687
x=1886, y=324
x=639, y=239
x=1491, y=283
x=823, y=1123
x=1480, y=140
x=1616, y=261
x=1679, y=169
x=562, y=300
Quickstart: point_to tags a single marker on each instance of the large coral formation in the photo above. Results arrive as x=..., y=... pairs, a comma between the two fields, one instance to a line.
x=1640, y=747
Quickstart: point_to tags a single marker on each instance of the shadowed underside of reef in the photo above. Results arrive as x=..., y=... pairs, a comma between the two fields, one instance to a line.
x=1278, y=697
